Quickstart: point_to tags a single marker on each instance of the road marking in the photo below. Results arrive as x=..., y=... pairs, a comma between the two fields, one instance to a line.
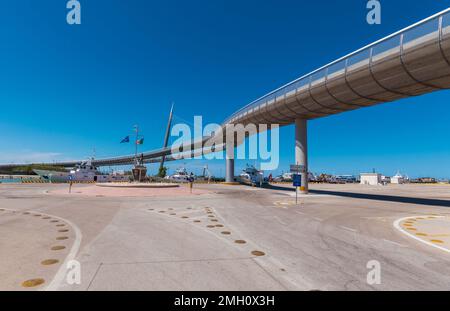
x=317, y=219
x=395, y=243
x=348, y=229
x=300, y=213
x=399, y=228
x=61, y=273
x=279, y=220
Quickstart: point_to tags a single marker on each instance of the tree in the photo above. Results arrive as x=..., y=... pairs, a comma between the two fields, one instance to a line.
x=162, y=172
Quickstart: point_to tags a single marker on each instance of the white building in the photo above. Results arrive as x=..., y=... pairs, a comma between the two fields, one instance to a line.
x=398, y=179
x=371, y=179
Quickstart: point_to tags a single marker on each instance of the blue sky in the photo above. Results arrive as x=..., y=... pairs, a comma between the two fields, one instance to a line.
x=67, y=89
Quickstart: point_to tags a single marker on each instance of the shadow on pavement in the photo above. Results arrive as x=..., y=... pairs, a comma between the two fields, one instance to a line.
x=376, y=197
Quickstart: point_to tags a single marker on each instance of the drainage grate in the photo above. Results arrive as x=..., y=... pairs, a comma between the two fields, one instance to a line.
x=226, y=232
x=61, y=238
x=240, y=242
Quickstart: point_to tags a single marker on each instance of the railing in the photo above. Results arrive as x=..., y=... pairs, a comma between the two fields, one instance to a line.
x=435, y=23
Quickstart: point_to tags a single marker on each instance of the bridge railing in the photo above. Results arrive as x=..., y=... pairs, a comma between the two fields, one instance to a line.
x=436, y=25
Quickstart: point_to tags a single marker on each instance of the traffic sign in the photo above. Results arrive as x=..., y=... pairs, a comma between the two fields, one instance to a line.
x=297, y=168
x=297, y=178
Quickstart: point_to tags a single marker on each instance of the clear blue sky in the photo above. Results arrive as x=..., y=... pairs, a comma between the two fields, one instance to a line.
x=65, y=89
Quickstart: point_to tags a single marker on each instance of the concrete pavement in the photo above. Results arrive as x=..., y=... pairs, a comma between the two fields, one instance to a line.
x=227, y=238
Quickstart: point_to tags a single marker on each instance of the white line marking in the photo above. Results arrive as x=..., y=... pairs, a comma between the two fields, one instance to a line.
x=317, y=219
x=399, y=228
x=300, y=213
x=395, y=243
x=279, y=220
x=348, y=229
x=61, y=273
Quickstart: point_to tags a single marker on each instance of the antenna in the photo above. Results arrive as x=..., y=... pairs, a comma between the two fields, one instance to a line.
x=166, y=138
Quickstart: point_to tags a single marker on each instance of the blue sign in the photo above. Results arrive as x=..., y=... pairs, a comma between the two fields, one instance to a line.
x=297, y=180
x=70, y=177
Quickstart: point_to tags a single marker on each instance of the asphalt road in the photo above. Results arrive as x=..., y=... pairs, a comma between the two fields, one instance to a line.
x=232, y=238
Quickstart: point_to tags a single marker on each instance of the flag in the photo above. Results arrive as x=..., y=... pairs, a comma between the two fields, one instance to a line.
x=125, y=140
x=140, y=141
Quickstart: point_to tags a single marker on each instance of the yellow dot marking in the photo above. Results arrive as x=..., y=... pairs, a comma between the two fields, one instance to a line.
x=49, y=262
x=437, y=241
x=33, y=282
x=57, y=248
x=258, y=253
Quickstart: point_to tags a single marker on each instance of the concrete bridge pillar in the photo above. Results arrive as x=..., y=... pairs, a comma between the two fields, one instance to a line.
x=229, y=171
x=301, y=151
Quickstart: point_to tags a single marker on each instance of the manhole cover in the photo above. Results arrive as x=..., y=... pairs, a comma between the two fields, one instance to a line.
x=49, y=262
x=240, y=242
x=258, y=253
x=33, y=282
x=226, y=232
x=58, y=248
x=61, y=238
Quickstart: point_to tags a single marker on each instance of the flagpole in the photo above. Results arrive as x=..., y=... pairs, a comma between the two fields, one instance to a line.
x=136, y=142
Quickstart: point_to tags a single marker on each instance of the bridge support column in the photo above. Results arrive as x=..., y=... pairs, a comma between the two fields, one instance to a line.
x=301, y=151
x=229, y=171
